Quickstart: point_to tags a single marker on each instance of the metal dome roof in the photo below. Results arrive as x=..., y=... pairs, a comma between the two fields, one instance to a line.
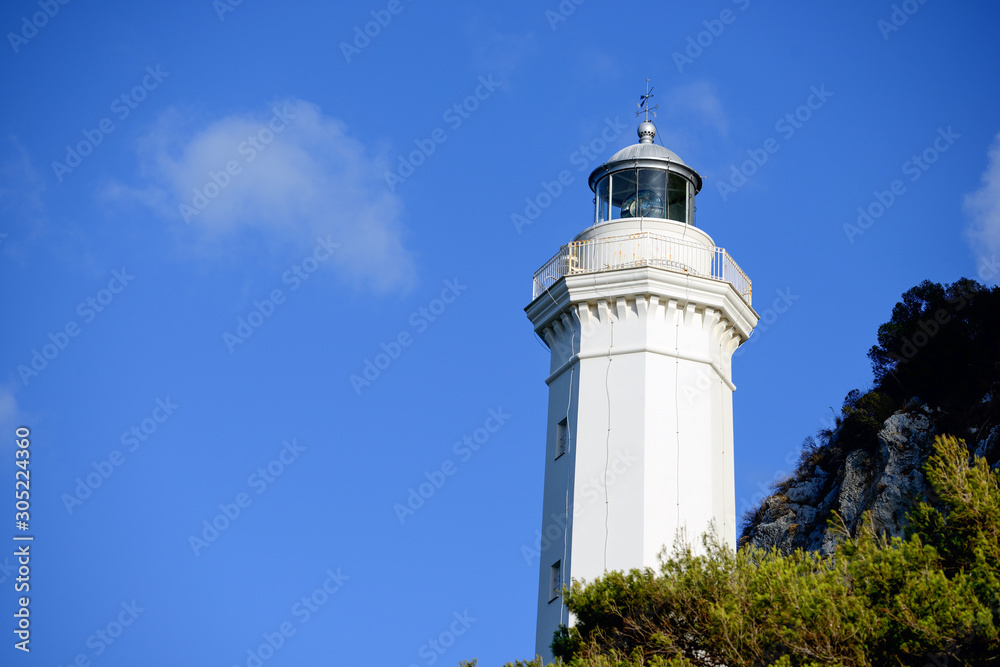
x=641, y=151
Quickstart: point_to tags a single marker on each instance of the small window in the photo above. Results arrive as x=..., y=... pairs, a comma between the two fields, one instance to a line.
x=555, y=580
x=562, y=438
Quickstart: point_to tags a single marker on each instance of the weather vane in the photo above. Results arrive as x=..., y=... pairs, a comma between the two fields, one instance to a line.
x=643, y=104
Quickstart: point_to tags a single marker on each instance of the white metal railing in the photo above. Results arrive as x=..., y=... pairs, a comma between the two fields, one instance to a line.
x=643, y=249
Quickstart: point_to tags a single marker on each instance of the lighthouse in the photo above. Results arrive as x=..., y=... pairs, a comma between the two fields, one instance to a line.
x=641, y=312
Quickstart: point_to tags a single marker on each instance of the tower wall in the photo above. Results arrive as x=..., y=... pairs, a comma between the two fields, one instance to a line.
x=640, y=372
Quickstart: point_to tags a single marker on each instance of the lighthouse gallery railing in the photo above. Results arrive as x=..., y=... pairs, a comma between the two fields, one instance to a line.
x=643, y=249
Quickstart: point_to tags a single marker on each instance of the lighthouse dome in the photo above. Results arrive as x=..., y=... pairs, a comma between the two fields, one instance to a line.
x=640, y=151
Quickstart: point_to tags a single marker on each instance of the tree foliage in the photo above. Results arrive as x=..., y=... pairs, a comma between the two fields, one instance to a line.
x=942, y=344
x=934, y=596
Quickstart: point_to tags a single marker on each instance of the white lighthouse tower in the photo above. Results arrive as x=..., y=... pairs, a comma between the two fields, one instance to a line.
x=641, y=312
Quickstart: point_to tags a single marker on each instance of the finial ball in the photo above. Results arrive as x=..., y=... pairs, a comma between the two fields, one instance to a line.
x=646, y=132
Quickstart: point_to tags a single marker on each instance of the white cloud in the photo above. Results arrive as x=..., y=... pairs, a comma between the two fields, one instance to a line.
x=300, y=175
x=983, y=209
x=688, y=117
x=698, y=101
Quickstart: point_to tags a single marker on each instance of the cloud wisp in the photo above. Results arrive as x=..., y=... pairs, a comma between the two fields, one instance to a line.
x=982, y=208
x=287, y=172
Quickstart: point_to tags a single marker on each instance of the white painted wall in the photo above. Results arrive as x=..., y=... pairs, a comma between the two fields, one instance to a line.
x=646, y=351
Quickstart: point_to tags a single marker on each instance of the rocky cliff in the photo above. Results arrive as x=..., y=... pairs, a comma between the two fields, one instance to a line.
x=885, y=479
x=943, y=345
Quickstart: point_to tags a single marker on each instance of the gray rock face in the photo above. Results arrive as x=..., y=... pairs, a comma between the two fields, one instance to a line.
x=805, y=491
x=884, y=483
x=883, y=479
x=905, y=443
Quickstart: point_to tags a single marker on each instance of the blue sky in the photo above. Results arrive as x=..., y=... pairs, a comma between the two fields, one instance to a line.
x=200, y=246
